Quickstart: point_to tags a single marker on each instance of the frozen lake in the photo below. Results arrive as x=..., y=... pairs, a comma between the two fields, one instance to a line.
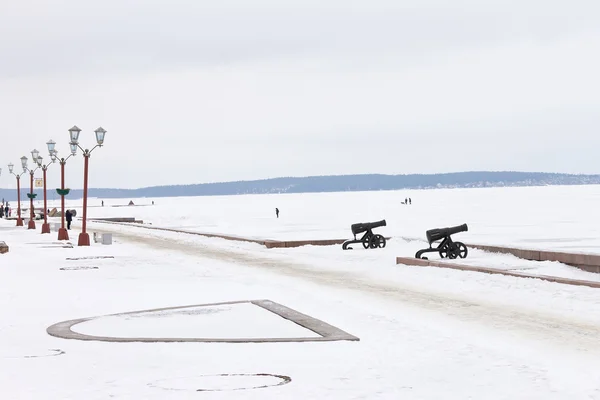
x=551, y=217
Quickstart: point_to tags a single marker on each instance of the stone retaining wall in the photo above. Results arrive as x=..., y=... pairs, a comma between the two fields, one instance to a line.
x=587, y=262
x=298, y=243
x=118, y=219
x=268, y=243
x=441, y=264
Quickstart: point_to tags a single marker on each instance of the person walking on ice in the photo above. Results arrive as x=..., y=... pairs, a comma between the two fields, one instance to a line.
x=277, y=212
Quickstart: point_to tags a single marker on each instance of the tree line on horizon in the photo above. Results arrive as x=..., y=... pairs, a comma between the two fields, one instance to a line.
x=330, y=183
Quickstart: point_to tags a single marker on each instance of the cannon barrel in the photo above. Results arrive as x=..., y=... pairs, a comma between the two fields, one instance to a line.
x=437, y=234
x=365, y=226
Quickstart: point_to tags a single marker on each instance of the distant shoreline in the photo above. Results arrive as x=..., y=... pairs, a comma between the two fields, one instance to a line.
x=336, y=183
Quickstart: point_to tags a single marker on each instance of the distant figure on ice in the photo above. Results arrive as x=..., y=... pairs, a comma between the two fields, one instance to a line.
x=69, y=218
x=277, y=212
x=409, y=201
x=152, y=202
x=131, y=203
x=405, y=201
x=102, y=203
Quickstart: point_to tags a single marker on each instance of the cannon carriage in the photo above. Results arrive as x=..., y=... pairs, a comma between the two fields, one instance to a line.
x=447, y=248
x=369, y=240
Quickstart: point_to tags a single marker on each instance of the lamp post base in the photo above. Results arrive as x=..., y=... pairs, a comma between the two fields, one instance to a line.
x=84, y=239
x=63, y=234
x=31, y=224
x=19, y=222
x=45, y=227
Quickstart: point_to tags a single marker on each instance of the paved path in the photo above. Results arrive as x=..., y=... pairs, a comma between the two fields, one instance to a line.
x=561, y=330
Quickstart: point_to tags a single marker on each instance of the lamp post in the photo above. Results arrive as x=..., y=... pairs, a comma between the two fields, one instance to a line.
x=18, y=176
x=50, y=144
x=62, y=192
x=84, y=238
x=35, y=156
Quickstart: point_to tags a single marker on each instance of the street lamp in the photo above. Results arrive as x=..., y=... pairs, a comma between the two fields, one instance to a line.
x=63, y=234
x=84, y=238
x=35, y=156
x=50, y=144
x=18, y=176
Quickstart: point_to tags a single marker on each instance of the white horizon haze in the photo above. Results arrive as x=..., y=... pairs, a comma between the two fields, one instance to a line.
x=197, y=92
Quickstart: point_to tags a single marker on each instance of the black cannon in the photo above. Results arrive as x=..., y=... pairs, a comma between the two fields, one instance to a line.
x=369, y=240
x=447, y=248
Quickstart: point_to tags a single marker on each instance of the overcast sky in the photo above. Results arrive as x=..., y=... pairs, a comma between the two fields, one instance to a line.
x=194, y=91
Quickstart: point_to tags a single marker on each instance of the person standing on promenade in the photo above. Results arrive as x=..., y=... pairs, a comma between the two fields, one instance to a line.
x=69, y=218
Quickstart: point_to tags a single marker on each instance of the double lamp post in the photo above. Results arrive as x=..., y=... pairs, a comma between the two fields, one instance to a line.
x=18, y=176
x=84, y=238
x=37, y=160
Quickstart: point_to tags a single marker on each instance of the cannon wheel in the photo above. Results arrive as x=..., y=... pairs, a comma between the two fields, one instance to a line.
x=366, y=242
x=377, y=241
x=461, y=249
x=445, y=251
x=453, y=251
x=457, y=249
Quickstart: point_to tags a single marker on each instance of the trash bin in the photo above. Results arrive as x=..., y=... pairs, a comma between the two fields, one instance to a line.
x=107, y=238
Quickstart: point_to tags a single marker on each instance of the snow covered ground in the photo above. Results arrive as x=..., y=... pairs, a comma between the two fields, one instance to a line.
x=425, y=333
x=249, y=320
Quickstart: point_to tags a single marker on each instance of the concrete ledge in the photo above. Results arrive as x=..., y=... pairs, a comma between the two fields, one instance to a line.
x=587, y=262
x=3, y=248
x=322, y=328
x=298, y=243
x=115, y=219
x=227, y=237
x=327, y=332
x=426, y=263
x=119, y=219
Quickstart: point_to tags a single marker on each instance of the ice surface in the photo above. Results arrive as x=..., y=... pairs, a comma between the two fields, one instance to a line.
x=556, y=217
